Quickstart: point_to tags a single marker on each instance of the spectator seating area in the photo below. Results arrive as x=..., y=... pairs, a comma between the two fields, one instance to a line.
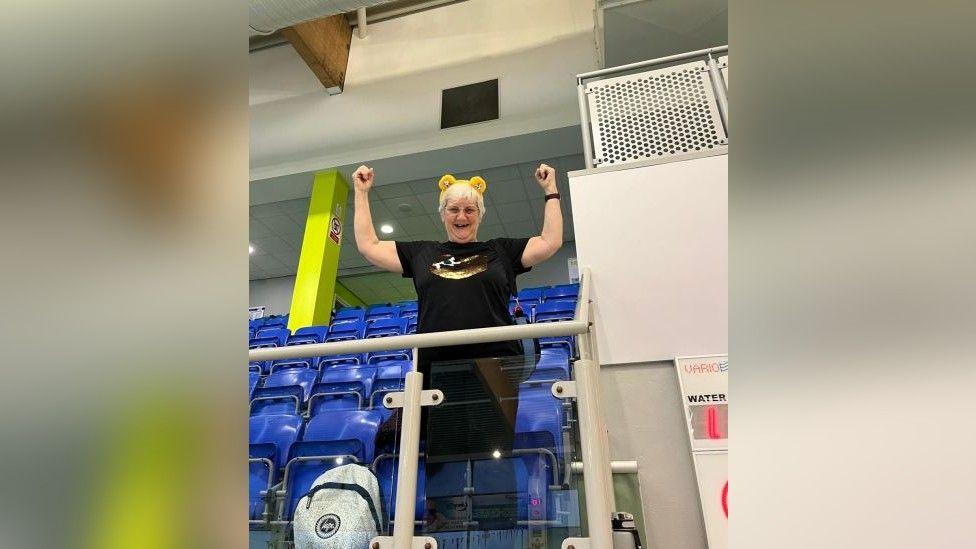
x=308, y=415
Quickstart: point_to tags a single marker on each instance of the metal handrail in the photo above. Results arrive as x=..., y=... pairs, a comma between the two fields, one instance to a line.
x=651, y=62
x=421, y=341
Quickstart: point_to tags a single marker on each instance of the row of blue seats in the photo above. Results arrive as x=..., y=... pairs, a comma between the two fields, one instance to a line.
x=552, y=311
x=528, y=298
x=288, y=448
x=295, y=387
x=341, y=331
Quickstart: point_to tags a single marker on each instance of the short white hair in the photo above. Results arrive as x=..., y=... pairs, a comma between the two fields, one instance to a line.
x=459, y=191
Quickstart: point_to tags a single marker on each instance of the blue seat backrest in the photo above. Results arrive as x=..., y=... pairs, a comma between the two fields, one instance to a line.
x=309, y=334
x=386, y=475
x=279, y=430
x=291, y=377
x=346, y=331
x=331, y=392
x=408, y=309
x=350, y=314
x=278, y=336
x=387, y=327
x=554, y=311
x=252, y=381
x=341, y=432
x=390, y=376
x=377, y=312
x=530, y=296
x=561, y=292
x=540, y=417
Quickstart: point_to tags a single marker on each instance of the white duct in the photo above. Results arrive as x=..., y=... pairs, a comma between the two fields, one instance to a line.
x=268, y=16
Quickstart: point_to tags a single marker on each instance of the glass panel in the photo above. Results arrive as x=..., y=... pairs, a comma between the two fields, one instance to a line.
x=498, y=449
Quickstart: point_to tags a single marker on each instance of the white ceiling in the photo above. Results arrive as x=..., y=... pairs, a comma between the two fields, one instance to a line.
x=513, y=204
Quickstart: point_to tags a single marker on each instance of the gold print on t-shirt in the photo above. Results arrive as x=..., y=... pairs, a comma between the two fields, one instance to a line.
x=456, y=269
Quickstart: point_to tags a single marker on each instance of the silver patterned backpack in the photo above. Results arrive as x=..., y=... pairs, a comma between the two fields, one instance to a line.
x=342, y=510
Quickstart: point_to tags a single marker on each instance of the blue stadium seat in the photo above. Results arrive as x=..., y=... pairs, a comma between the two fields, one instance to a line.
x=412, y=325
x=384, y=328
x=327, y=441
x=269, y=441
x=252, y=381
x=553, y=365
x=309, y=334
x=284, y=391
x=540, y=418
x=377, y=312
x=390, y=376
x=408, y=309
x=386, y=474
x=342, y=389
x=561, y=292
x=269, y=337
x=349, y=314
x=554, y=311
x=263, y=367
x=530, y=297
x=343, y=332
x=286, y=363
x=276, y=322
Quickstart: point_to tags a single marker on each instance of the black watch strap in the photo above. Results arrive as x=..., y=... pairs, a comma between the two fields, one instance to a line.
x=551, y=196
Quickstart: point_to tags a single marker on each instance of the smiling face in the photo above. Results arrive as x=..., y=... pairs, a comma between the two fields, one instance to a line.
x=461, y=218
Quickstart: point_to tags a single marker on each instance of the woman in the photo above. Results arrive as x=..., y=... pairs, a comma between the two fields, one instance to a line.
x=464, y=283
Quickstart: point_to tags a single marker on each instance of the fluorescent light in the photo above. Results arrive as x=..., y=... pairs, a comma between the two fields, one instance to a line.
x=496, y=454
x=250, y=249
x=339, y=461
x=386, y=228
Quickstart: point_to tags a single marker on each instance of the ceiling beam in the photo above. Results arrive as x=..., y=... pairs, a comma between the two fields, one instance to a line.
x=324, y=46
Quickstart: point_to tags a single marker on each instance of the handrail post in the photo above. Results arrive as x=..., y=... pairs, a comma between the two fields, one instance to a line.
x=594, y=450
x=409, y=456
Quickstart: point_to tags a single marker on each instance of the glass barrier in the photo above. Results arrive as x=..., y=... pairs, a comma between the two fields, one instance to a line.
x=498, y=454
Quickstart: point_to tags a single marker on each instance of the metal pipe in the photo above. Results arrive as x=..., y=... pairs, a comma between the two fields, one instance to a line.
x=409, y=455
x=584, y=341
x=658, y=61
x=718, y=87
x=595, y=454
x=616, y=467
x=361, y=23
x=433, y=339
x=585, y=124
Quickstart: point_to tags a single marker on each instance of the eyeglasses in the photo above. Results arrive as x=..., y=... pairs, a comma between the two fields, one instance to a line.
x=454, y=210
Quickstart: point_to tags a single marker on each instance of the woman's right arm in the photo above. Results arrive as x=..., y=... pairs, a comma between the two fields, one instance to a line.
x=381, y=253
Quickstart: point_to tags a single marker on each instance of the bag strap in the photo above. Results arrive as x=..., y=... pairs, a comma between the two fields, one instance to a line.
x=346, y=486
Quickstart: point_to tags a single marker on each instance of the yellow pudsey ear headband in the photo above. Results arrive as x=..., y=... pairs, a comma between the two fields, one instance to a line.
x=476, y=182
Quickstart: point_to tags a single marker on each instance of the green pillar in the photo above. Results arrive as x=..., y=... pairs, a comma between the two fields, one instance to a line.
x=318, y=264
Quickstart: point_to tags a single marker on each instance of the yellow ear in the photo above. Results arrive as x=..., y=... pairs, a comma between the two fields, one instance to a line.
x=479, y=184
x=446, y=182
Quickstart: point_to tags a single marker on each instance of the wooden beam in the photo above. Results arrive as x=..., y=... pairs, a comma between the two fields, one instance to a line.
x=324, y=45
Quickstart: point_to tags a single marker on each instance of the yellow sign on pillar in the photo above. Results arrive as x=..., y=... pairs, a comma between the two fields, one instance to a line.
x=318, y=264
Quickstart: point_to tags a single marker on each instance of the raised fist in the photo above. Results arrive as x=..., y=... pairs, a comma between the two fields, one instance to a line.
x=545, y=175
x=362, y=178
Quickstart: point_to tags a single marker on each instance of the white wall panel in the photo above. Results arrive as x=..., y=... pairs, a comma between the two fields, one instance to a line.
x=656, y=241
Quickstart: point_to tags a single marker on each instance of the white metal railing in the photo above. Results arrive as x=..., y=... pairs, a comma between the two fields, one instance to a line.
x=627, y=117
x=594, y=448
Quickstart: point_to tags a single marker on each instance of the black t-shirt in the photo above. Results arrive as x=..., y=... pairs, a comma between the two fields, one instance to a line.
x=463, y=286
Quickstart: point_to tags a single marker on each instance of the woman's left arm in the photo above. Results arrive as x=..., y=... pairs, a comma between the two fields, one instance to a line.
x=542, y=247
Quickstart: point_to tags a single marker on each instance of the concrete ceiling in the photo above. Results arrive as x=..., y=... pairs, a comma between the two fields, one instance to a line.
x=637, y=31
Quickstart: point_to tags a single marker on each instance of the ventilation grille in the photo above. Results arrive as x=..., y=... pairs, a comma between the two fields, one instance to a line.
x=469, y=104
x=653, y=114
